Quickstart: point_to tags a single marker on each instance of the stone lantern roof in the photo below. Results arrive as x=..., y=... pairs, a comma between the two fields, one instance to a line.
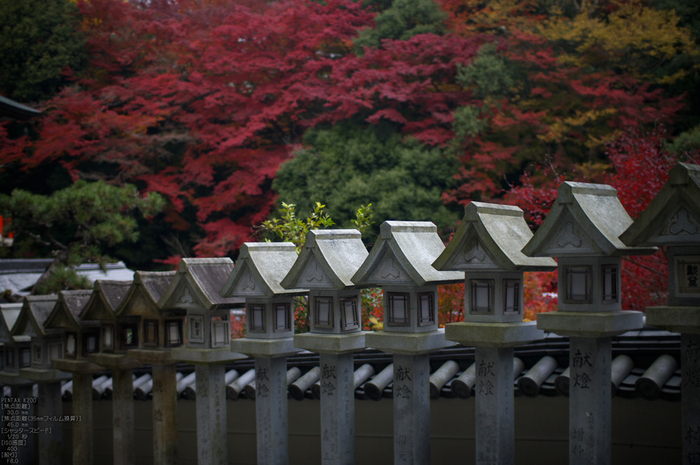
x=66, y=312
x=490, y=238
x=404, y=254
x=259, y=270
x=8, y=318
x=585, y=220
x=144, y=293
x=328, y=260
x=197, y=283
x=35, y=310
x=673, y=217
x=106, y=298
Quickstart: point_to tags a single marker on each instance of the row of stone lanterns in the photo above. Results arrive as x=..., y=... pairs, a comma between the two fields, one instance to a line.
x=121, y=325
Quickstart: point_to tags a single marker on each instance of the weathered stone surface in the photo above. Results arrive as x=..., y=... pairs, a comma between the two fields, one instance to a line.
x=123, y=416
x=164, y=415
x=675, y=319
x=490, y=238
x=82, y=430
x=493, y=334
x=409, y=344
x=13, y=379
x=155, y=356
x=211, y=415
x=49, y=405
x=40, y=375
x=411, y=409
x=690, y=391
x=114, y=361
x=598, y=324
x=75, y=366
x=265, y=347
x=210, y=356
x=271, y=410
x=330, y=343
x=337, y=409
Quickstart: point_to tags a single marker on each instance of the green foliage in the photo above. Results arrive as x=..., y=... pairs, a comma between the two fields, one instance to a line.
x=38, y=40
x=350, y=165
x=489, y=75
x=62, y=278
x=403, y=20
x=688, y=141
x=75, y=224
x=290, y=228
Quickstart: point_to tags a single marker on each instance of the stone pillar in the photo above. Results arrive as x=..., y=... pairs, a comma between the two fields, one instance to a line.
x=27, y=453
x=690, y=397
x=271, y=410
x=50, y=405
x=123, y=416
x=411, y=409
x=495, y=424
x=211, y=414
x=82, y=428
x=337, y=409
x=164, y=414
x=590, y=401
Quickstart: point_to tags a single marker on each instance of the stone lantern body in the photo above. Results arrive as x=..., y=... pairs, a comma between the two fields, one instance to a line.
x=582, y=230
x=270, y=326
x=326, y=265
x=81, y=338
x=401, y=263
x=106, y=297
x=487, y=248
x=11, y=345
x=672, y=220
x=194, y=292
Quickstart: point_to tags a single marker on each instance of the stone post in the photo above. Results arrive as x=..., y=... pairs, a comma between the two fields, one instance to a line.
x=82, y=428
x=50, y=405
x=271, y=410
x=123, y=416
x=164, y=414
x=27, y=453
x=411, y=409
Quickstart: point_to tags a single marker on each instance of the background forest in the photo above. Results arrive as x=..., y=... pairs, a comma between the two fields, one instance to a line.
x=227, y=108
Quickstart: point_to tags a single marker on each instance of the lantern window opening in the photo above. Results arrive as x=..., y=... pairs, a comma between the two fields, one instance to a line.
x=55, y=351
x=90, y=344
x=25, y=357
x=482, y=296
x=150, y=332
x=129, y=335
x=399, y=309
x=323, y=312
x=220, y=333
x=257, y=318
x=71, y=344
x=37, y=353
x=578, y=284
x=195, y=324
x=10, y=358
x=426, y=308
x=107, y=337
x=173, y=333
x=281, y=318
x=349, y=317
x=511, y=296
x=609, y=276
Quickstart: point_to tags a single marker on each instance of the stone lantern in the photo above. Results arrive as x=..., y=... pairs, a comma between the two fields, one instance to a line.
x=672, y=220
x=325, y=266
x=9, y=376
x=582, y=231
x=401, y=263
x=194, y=292
x=106, y=297
x=487, y=247
x=46, y=345
x=81, y=338
x=270, y=327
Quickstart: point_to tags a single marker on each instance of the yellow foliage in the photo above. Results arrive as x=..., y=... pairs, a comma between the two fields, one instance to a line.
x=633, y=36
x=561, y=127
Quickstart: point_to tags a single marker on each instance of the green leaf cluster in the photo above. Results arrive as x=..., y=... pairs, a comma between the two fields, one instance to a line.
x=351, y=165
x=403, y=20
x=38, y=40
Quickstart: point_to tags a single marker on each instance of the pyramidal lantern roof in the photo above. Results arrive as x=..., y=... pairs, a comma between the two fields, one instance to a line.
x=66, y=312
x=35, y=310
x=585, y=220
x=106, y=297
x=328, y=260
x=490, y=238
x=8, y=317
x=145, y=292
x=404, y=254
x=259, y=270
x=673, y=217
x=198, y=281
